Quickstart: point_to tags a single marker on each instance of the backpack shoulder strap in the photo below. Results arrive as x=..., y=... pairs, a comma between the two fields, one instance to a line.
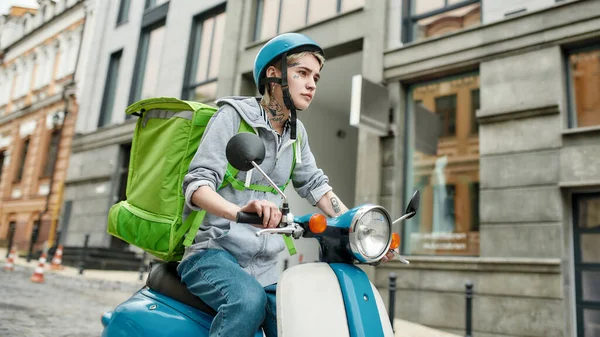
x=231, y=171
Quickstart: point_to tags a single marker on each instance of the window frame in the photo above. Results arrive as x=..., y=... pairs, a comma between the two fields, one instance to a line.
x=571, y=100
x=24, y=151
x=112, y=73
x=2, y=161
x=258, y=17
x=409, y=19
x=191, y=67
x=154, y=18
x=579, y=264
x=123, y=13
x=408, y=163
x=48, y=170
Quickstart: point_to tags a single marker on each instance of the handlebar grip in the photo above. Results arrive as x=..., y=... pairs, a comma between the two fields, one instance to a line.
x=249, y=218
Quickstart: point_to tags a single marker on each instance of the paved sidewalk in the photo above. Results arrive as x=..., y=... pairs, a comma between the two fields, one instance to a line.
x=409, y=329
x=88, y=274
x=130, y=279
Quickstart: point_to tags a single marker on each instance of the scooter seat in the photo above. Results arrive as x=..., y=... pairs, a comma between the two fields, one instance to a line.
x=163, y=278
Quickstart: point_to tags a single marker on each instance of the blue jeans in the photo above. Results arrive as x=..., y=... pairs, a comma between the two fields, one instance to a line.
x=242, y=304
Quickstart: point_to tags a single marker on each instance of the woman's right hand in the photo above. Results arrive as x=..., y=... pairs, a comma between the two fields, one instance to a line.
x=268, y=210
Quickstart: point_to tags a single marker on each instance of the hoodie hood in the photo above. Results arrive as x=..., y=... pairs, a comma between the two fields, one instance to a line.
x=248, y=108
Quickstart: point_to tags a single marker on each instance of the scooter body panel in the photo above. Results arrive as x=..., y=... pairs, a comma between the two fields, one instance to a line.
x=310, y=302
x=365, y=311
x=148, y=313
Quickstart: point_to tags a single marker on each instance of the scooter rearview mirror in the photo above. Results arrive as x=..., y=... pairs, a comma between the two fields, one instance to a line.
x=243, y=149
x=413, y=205
x=411, y=209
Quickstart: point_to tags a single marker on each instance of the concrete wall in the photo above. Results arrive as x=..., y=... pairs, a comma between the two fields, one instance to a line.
x=511, y=87
x=517, y=297
x=493, y=10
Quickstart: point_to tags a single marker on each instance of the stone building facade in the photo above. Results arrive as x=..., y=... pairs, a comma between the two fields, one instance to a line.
x=509, y=193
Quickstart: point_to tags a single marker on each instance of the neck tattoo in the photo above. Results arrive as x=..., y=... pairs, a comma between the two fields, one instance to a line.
x=276, y=111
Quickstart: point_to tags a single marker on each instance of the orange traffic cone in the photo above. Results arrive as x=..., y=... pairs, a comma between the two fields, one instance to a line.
x=10, y=263
x=38, y=274
x=57, y=259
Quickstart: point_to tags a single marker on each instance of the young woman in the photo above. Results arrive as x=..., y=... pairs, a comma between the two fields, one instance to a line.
x=228, y=267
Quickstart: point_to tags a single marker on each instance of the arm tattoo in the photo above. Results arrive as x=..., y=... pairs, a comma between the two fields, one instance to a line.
x=335, y=204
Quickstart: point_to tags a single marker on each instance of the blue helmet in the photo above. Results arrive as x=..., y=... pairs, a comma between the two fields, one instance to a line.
x=284, y=43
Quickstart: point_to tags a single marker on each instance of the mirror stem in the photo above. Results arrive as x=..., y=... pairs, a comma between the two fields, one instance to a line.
x=407, y=215
x=270, y=182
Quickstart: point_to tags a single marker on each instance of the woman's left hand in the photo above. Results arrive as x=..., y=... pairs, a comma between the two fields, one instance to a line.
x=388, y=257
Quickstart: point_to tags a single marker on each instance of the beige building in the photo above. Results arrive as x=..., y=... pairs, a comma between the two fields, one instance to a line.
x=39, y=57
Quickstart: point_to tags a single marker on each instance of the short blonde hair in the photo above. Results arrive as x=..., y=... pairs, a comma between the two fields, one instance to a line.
x=266, y=99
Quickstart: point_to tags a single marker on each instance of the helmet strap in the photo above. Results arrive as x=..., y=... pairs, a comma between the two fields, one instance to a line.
x=285, y=89
x=287, y=98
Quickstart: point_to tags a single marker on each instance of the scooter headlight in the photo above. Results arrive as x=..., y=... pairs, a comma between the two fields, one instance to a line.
x=370, y=233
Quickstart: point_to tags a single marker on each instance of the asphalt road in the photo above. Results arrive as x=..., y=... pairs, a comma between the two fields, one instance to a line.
x=62, y=306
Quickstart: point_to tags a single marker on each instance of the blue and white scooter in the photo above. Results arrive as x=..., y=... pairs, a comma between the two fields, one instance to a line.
x=329, y=298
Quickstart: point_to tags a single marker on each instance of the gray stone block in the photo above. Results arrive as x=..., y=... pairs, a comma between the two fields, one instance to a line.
x=525, y=80
x=388, y=175
x=386, y=202
x=91, y=206
x=495, y=10
x=518, y=316
x=518, y=135
x=387, y=147
x=93, y=164
x=519, y=284
x=580, y=163
x=532, y=204
x=441, y=310
x=405, y=306
x=524, y=169
x=521, y=240
x=405, y=278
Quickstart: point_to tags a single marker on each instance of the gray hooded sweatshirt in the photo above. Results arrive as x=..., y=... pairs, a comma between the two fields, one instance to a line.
x=256, y=255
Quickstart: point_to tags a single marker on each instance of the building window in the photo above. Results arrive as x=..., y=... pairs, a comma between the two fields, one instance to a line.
x=124, y=171
x=110, y=89
x=205, y=56
x=123, y=11
x=148, y=63
x=584, y=74
x=2, y=154
x=154, y=3
x=52, y=153
x=21, y=167
x=279, y=16
x=429, y=18
x=474, y=107
x=446, y=174
x=445, y=107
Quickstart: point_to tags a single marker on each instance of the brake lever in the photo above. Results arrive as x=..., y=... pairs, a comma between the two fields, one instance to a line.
x=400, y=258
x=285, y=230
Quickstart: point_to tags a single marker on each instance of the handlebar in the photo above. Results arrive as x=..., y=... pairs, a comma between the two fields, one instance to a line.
x=249, y=218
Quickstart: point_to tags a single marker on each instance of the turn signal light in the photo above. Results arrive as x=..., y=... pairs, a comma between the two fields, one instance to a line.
x=395, y=241
x=317, y=223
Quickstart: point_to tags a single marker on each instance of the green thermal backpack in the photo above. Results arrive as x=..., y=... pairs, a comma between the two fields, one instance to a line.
x=165, y=140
